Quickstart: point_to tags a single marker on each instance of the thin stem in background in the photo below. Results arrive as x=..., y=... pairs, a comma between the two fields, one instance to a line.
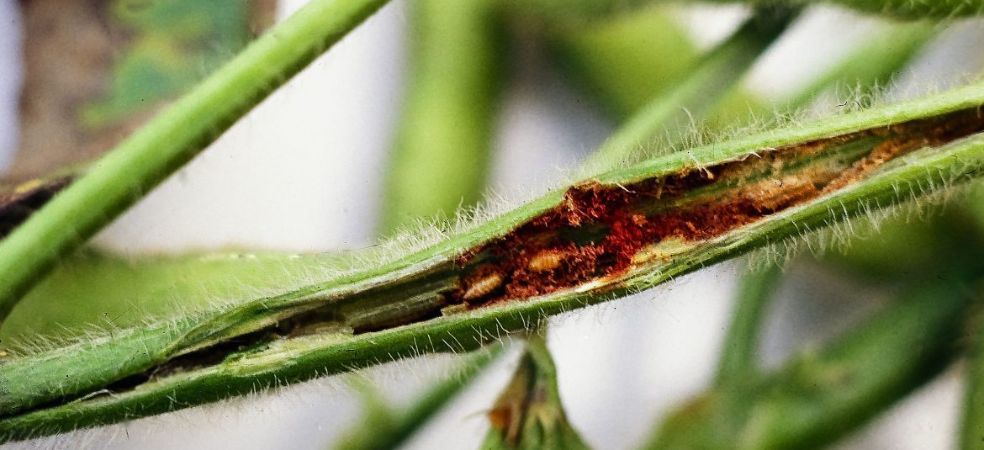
x=821, y=396
x=385, y=428
x=713, y=76
x=972, y=429
x=441, y=156
x=870, y=67
x=738, y=355
x=623, y=62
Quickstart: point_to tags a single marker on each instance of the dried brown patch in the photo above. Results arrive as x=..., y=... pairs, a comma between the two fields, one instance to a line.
x=597, y=230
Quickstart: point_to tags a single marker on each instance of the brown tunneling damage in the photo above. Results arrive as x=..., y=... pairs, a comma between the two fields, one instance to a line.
x=597, y=230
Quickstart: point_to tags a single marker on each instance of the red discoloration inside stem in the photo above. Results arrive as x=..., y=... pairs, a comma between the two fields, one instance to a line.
x=597, y=230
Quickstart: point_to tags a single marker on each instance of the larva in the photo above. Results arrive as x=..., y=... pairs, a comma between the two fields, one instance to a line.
x=546, y=260
x=483, y=286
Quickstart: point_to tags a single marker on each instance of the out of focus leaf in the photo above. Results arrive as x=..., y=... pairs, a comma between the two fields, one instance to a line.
x=822, y=395
x=95, y=70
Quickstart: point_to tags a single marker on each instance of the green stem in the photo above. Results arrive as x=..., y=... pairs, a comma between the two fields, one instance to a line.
x=906, y=9
x=821, y=396
x=390, y=309
x=911, y=9
x=972, y=430
x=871, y=66
x=170, y=140
x=624, y=61
x=738, y=355
x=713, y=76
x=528, y=413
x=441, y=156
x=385, y=429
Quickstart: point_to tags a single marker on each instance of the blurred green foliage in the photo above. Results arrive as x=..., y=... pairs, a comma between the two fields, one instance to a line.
x=174, y=45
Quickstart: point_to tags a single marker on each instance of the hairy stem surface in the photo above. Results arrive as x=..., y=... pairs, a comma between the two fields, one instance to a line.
x=617, y=233
x=713, y=76
x=738, y=357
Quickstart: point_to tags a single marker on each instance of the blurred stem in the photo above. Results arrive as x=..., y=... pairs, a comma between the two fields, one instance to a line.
x=972, y=430
x=528, y=413
x=755, y=290
x=712, y=77
x=623, y=61
x=907, y=9
x=871, y=66
x=441, y=155
x=821, y=396
x=385, y=428
x=170, y=140
x=627, y=59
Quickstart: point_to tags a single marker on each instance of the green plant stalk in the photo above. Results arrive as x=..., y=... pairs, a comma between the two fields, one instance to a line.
x=395, y=289
x=972, y=428
x=870, y=67
x=738, y=357
x=623, y=61
x=906, y=9
x=170, y=140
x=575, y=11
x=445, y=134
x=713, y=76
x=528, y=413
x=823, y=395
x=383, y=428
x=439, y=162
x=91, y=288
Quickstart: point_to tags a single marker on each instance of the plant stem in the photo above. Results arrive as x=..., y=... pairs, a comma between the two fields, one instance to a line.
x=421, y=302
x=714, y=75
x=441, y=156
x=906, y=9
x=821, y=396
x=871, y=66
x=385, y=429
x=755, y=290
x=528, y=413
x=972, y=429
x=170, y=140
x=914, y=9
x=623, y=61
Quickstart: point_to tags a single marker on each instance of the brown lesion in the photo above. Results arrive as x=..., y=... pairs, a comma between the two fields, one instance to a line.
x=598, y=230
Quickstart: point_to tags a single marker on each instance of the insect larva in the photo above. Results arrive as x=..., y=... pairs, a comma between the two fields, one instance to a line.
x=546, y=260
x=483, y=286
